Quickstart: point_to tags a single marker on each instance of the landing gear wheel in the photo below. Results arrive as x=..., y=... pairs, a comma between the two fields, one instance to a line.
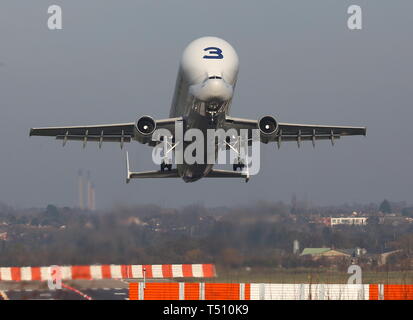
x=235, y=166
x=212, y=121
x=166, y=166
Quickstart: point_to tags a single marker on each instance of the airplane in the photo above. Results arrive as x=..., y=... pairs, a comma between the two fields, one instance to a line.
x=202, y=99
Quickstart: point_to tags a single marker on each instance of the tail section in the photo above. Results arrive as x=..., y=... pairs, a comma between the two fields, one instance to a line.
x=215, y=173
x=148, y=174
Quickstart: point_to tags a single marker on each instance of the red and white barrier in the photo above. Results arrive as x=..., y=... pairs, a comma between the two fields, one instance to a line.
x=95, y=272
x=267, y=291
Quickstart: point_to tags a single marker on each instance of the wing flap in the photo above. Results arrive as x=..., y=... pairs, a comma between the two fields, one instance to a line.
x=308, y=138
x=319, y=130
x=105, y=138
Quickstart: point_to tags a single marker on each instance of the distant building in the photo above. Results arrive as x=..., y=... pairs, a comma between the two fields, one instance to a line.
x=359, y=221
x=394, y=220
x=334, y=221
x=385, y=255
x=316, y=253
x=379, y=259
x=325, y=220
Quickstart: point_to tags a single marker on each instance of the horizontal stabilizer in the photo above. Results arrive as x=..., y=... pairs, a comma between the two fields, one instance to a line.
x=148, y=174
x=154, y=174
x=216, y=173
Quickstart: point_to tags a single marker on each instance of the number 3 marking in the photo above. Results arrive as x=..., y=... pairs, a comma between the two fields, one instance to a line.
x=214, y=53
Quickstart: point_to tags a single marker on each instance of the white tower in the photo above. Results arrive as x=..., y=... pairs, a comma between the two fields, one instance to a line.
x=80, y=186
x=90, y=193
x=296, y=247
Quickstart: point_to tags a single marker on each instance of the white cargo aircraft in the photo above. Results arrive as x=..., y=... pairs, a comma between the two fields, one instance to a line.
x=203, y=93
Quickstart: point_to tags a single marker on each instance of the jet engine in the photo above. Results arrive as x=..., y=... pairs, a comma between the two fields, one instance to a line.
x=268, y=126
x=144, y=128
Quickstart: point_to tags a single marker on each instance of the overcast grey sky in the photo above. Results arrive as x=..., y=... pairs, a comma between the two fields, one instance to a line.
x=115, y=60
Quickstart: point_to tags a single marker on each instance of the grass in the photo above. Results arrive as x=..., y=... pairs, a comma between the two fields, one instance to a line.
x=308, y=276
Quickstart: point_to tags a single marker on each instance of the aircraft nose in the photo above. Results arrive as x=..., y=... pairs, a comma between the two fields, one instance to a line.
x=214, y=88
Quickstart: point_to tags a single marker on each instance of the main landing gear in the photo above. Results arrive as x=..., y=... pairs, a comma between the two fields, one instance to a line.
x=166, y=166
x=168, y=146
x=239, y=165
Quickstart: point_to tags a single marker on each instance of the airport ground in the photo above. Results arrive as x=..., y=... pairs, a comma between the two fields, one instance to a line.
x=119, y=289
x=38, y=290
x=305, y=275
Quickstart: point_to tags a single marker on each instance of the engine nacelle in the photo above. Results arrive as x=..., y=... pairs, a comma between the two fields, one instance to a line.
x=144, y=128
x=268, y=126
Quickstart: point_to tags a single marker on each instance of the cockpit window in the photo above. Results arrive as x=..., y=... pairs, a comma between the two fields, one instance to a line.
x=215, y=77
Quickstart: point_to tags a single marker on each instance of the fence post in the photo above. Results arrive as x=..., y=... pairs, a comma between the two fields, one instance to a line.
x=302, y=291
x=321, y=292
x=381, y=291
x=181, y=290
x=202, y=291
x=141, y=291
x=361, y=292
x=262, y=291
x=242, y=291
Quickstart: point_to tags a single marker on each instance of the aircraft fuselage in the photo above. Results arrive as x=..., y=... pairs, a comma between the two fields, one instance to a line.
x=203, y=92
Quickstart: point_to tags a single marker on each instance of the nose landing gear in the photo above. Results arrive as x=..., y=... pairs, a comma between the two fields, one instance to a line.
x=212, y=119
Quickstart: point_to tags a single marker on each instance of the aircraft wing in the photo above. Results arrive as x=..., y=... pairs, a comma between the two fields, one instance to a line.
x=298, y=132
x=121, y=132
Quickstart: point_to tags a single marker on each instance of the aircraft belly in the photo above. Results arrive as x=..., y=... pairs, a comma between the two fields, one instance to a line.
x=194, y=172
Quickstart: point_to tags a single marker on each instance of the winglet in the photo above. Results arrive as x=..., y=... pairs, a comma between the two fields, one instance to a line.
x=127, y=168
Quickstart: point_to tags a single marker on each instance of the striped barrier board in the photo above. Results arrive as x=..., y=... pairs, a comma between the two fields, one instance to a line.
x=267, y=291
x=391, y=292
x=96, y=272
